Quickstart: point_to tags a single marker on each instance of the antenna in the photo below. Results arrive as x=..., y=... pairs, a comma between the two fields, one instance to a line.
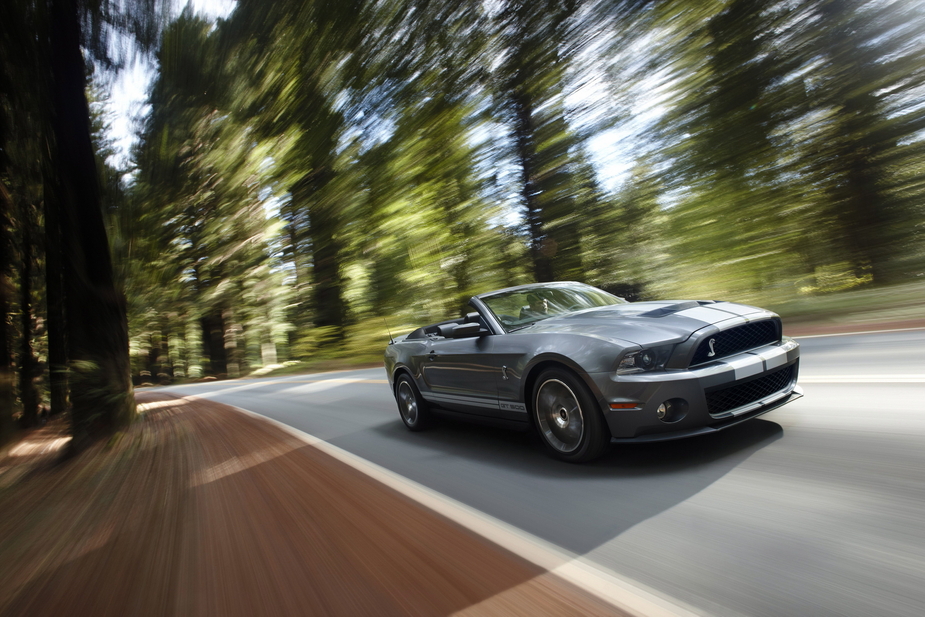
x=391, y=341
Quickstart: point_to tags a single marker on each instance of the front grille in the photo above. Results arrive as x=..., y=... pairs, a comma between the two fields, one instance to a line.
x=735, y=340
x=739, y=394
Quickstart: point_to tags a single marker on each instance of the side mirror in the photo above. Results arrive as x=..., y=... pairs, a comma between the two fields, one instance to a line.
x=466, y=330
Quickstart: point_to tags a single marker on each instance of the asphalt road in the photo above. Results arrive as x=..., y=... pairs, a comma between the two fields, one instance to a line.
x=817, y=508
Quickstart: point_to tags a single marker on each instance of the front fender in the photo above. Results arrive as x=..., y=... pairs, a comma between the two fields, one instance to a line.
x=533, y=368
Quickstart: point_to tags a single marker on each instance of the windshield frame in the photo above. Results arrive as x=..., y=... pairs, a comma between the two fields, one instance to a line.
x=561, y=298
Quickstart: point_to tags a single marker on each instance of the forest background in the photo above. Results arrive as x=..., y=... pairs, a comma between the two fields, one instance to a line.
x=311, y=175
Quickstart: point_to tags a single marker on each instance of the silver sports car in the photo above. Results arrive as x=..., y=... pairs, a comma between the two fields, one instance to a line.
x=587, y=368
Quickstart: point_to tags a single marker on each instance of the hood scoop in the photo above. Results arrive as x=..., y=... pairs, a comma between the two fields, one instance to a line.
x=664, y=311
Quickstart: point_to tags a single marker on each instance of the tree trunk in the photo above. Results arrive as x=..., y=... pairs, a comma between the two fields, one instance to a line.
x=101, y=388
x=54, y=297
x=213, y=342
x=6, y=345
x=164, y=362
x=28, y=363
x=526, y=153
x=327, y=282
x=193, y=339
x=6, y=365
x=153, y=351
x=233, y=355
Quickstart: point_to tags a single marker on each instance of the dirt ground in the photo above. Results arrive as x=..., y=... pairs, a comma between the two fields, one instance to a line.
x=201, y=510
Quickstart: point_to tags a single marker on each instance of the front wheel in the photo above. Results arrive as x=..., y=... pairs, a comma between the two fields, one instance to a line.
x=411, y=405
x=568, y=421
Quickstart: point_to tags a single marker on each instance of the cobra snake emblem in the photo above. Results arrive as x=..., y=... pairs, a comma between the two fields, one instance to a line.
x=712, y=351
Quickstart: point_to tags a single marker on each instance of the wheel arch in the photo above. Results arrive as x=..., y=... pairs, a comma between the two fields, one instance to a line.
x=397, y=372
x=540, y=364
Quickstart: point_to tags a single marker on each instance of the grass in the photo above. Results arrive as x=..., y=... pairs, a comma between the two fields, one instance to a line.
x=866, y=305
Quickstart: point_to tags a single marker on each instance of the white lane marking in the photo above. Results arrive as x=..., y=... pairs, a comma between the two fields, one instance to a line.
x=247, y=386
x=625, y=594
x=241, y=381
x=861, y=379
x=304, y=386
x=864, y=332
x=318, y=386
x=251, y=382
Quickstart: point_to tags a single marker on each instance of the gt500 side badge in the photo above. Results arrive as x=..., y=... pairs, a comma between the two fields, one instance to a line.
x=513, y=406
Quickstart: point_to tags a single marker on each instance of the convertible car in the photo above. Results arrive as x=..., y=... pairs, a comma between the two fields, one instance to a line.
x=587, y=369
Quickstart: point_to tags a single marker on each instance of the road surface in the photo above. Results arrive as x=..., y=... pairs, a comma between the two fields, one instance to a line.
x=817, y=508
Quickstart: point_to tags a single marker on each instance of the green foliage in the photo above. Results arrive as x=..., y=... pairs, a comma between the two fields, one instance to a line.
x=313, y=173
x=310, y=169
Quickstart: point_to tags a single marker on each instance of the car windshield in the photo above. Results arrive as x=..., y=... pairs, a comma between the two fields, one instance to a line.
x=518, y=308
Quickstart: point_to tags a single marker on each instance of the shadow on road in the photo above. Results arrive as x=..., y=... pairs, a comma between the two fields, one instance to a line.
x=578, y=507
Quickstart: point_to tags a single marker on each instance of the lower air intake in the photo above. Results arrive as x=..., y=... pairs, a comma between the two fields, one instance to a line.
x=740, y=394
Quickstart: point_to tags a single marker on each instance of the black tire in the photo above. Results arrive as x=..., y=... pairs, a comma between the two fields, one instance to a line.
x=567, y=418
x=412, y=407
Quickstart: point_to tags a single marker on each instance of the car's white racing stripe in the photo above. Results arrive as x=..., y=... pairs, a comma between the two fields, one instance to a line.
x=746, y=365
x=461, y=400
x=474, y=401
x=623, y=593
x=742, y=310
x=772, y=357
x=705, y=314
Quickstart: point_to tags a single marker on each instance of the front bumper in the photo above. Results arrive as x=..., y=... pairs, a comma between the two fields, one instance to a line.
x=750, y=380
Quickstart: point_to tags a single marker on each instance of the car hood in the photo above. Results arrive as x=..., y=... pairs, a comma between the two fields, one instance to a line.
x=647, y=323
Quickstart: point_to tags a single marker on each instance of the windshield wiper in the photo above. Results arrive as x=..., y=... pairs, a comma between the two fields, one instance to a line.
x=524, y=326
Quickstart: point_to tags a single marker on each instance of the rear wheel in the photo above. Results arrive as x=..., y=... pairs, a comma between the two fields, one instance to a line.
x=411, y=405
x=566, y=417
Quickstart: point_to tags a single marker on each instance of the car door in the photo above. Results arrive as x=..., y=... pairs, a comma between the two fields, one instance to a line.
x=460, y=374
x=511, y=355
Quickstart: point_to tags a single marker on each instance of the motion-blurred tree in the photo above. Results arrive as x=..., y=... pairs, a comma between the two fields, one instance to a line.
x=29, y=368
x=387, y=136
x=534, y=40
x=865, y=74
x=205, y=231
x=426, y=173
x=101, y=390
x=20, y=176
x=43, y=86
x=7, y=396
x=303, y=59
x=719, y=139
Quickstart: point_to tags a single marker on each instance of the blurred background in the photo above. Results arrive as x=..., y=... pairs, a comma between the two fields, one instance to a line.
x=298, y=178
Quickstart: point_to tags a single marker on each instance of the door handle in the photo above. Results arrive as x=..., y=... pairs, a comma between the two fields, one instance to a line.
x=432, y=356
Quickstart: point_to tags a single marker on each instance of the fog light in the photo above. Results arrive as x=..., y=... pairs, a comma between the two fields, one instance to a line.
x=672, y=410
x=662, y=410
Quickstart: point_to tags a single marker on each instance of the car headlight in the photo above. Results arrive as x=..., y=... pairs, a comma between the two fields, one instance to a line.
x=644, y=360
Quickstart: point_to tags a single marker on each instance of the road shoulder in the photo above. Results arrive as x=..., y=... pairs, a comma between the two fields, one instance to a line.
x=199, y=509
